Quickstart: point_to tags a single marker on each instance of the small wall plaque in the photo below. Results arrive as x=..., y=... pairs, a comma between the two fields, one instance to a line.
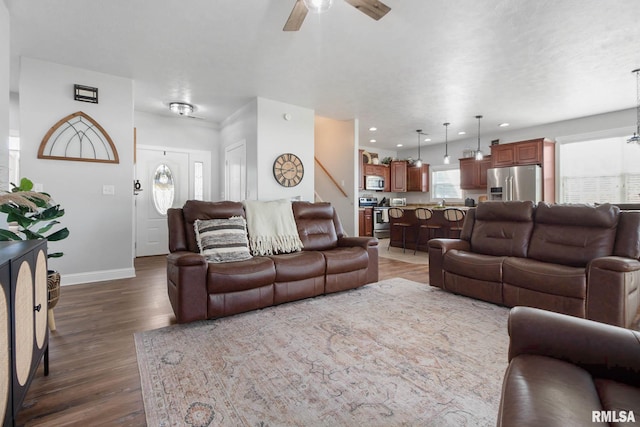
x=85, y=93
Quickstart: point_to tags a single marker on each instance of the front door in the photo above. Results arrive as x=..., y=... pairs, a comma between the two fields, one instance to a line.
x=164, y=183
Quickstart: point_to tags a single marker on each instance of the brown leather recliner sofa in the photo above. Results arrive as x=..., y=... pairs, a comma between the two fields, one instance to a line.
x=580, y=260
x=329, y=262
x=565, y=371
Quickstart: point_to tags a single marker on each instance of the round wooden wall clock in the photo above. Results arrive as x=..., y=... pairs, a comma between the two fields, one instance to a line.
x=288, y=170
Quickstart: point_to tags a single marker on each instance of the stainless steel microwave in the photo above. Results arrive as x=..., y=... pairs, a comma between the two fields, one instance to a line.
x=374, y=183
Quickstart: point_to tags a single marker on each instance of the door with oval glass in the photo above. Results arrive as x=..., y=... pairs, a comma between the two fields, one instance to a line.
x=164, y=183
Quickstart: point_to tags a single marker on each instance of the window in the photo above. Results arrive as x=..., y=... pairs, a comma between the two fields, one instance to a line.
x=445, y=184
x=600, y=171
x=198, y=180
x=163, y=189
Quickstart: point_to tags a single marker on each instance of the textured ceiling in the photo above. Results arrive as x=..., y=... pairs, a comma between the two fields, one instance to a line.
x=426, y=62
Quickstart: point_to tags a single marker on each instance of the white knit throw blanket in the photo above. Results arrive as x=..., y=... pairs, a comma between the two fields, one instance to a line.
x=271, y=227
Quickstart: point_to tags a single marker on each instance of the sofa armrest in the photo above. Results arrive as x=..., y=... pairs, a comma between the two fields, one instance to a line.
x=363, y=242
x=187, y=285
x=437, y=249
x=603, y=350
x=613, y=290
x=370, y=244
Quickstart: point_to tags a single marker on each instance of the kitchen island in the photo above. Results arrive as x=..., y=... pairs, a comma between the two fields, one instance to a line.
x=412, y=232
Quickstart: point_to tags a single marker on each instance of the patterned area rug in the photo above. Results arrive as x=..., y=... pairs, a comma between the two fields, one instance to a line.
x=391, y=353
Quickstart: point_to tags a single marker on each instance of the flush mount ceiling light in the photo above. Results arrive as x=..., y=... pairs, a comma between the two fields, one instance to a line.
x=636, y=135
x=447, y=160
x=181, y=108
x=479, y=155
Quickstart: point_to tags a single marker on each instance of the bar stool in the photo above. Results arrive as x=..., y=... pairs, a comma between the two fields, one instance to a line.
x=424, y=216
x=396, y=216
x=456, y=216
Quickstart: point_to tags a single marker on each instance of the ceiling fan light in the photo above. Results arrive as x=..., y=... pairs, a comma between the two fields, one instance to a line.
x=318, y=6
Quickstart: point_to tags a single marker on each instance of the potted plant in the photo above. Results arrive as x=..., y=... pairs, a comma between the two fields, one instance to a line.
x=33, y=215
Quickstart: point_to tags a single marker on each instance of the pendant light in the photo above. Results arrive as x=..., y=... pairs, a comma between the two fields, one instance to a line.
x=418, y=162
x=447, y=160
x=479, y=155
x=636, y=135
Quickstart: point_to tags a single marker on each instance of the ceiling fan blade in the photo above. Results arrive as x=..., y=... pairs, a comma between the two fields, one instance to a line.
x=298, y=13
x=372, y=8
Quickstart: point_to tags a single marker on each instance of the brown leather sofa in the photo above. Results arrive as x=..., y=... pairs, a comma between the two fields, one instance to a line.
x=329, y=262
x=565, y=371
x=580, y=260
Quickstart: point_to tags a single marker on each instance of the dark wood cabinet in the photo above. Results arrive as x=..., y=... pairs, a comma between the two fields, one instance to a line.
x=398, y=176
x=530, y=152
x=473, y=173
x=365, y=222
x=418, y=178
x=24, y=336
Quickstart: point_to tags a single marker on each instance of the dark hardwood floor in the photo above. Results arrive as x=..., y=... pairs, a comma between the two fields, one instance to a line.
x=93, y=378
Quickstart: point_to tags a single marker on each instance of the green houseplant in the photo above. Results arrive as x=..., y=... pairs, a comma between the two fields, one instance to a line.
x=33, y=215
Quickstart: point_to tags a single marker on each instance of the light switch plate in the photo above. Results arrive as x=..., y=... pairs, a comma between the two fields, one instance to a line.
x=108, y=190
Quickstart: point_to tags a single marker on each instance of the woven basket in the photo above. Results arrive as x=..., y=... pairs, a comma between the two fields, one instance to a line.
x=53, y=286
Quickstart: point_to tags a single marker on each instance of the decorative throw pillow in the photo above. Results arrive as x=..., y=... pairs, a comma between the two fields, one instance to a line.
x=223, y=240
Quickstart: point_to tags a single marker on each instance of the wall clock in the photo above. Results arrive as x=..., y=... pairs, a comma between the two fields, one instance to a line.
x=288, y=170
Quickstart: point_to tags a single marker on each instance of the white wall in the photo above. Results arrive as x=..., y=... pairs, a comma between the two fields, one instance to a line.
x=101, y=226
x=241, y=126
x=276, y=136
x=261, y=124
x=336, y=149
x=4, y=97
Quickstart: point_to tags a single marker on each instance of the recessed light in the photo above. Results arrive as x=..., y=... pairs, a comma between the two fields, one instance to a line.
x=503, y=125
x=427, y=139
x=373, y=129
x=399, y=145
x=462, y=132
x=372, y=140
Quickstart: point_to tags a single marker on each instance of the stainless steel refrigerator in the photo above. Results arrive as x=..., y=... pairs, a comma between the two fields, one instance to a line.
x=515, y=183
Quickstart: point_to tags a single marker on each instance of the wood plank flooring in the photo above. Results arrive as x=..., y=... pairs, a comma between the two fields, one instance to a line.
x=93, y=378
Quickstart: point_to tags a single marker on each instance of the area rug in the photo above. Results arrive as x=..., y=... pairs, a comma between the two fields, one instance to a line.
x=388, y=354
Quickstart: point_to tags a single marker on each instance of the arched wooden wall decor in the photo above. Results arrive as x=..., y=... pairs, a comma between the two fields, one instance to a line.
x=80, y=138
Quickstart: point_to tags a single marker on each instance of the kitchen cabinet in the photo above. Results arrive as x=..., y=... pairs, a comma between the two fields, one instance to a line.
x=418, y=178
x=540, y=151
x=473, y=173
x=378, y=170
x=365, y=222
x=398, y=176
x=530, y=152
x=23, y=310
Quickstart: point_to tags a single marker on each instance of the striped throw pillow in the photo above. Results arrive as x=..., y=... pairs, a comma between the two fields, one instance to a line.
x=223, y=240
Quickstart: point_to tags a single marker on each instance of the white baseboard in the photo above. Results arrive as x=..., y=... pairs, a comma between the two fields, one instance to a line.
x=96, y=276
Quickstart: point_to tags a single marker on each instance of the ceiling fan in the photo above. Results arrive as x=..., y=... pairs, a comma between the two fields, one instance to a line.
x=372, y=8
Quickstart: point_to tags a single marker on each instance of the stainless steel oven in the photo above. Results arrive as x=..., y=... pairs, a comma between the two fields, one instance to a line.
x=381, y=222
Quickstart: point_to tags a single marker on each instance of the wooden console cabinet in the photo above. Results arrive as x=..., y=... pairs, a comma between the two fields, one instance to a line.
x=23, y=313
